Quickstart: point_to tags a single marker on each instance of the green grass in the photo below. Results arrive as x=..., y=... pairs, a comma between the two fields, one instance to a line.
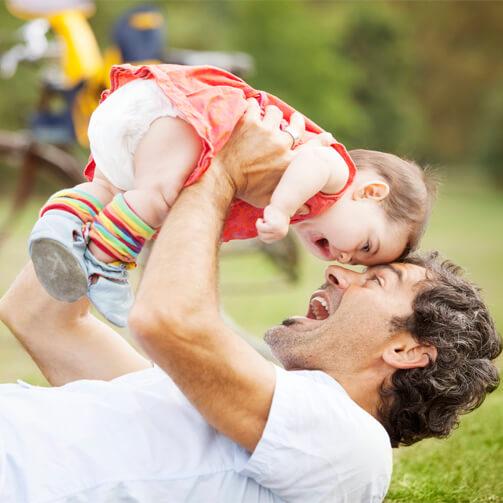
x=466, y=227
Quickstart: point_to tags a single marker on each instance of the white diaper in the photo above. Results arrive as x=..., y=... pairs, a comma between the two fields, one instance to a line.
x=118, y=124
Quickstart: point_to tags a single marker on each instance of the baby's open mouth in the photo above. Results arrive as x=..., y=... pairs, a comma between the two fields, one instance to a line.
x=323, y=246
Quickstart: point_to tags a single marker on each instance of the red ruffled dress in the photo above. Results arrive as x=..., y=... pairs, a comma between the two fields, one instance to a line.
x=212, y=101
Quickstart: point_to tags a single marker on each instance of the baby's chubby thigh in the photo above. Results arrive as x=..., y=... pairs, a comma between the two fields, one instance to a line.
x=164, y=158
x=142, y=148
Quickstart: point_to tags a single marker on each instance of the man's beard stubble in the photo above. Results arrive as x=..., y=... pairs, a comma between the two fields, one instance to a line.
x=293, y=349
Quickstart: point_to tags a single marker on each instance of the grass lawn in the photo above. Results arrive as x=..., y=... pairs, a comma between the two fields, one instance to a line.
x=467, y=467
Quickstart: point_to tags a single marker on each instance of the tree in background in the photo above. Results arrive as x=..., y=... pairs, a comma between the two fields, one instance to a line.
x=293, y=49
x=489, y=144
x=376, y=41
x=457, y=61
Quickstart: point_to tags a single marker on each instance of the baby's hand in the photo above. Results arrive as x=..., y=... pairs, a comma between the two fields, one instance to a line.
x=274, y=225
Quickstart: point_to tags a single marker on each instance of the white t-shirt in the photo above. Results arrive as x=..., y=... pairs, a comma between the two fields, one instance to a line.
x=138, y=439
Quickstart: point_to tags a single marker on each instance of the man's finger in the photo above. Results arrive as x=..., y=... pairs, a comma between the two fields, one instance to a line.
x=272, y=117
x=324, y=139
x=298, y=123
x=253, y=111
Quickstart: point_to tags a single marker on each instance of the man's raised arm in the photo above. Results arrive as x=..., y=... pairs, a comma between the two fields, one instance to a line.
x=176, y=315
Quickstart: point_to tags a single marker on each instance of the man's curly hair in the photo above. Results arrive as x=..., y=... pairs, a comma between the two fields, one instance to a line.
x=449, y=314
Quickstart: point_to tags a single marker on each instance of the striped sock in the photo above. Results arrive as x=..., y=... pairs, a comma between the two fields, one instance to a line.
x=74, y=201
x=119, y=231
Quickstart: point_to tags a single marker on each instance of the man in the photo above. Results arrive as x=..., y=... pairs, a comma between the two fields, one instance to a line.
x=388, y=356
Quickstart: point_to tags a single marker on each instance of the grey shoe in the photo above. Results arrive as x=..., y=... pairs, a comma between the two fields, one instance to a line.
x=109, y=289
x=57, y=247
x=68, y=270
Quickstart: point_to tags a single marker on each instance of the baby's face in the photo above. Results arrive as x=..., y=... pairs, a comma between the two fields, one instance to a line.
x=354, y=232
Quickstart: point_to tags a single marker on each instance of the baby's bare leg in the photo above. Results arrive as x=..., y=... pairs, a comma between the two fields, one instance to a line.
x=163, y=159
x=99, y=187
x=104, y=191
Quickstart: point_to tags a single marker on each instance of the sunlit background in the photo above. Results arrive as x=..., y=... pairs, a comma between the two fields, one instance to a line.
x=423, y=80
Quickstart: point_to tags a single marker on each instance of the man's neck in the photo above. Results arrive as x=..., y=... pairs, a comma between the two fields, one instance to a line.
x=363, y=387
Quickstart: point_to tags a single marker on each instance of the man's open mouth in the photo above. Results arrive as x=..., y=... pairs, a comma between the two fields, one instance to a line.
x=319, y=306
x=322, y=304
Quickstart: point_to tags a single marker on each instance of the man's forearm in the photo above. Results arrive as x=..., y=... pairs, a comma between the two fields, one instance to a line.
x=176, y=318
x=65, y=340
x=176, y=315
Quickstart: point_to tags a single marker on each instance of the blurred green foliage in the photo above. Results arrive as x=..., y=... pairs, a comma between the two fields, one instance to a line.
x=421, y=79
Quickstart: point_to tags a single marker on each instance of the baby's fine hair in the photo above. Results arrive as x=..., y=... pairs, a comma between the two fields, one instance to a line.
x=412, y=190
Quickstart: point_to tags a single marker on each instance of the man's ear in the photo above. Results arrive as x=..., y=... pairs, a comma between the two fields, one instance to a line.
x=406, y=353
x=374, y=189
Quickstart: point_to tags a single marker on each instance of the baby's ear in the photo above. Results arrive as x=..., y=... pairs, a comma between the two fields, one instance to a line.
x=375, y=189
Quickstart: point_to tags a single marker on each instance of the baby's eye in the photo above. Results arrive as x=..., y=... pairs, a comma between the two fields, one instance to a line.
x=366, y=247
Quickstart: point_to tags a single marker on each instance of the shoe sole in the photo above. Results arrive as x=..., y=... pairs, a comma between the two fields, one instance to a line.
x=58, y=270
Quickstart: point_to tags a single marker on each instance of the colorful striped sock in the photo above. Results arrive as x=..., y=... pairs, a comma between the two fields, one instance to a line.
x=74, y=201
x=119, y=231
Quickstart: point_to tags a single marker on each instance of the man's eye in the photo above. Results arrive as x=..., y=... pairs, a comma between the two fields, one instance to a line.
x=375, y=279
x=366, y=247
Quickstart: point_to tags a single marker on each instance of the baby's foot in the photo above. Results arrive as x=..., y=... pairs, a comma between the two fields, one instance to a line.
x=109, y=289
x=68, y=271
x=57, y=247
x=273, y=226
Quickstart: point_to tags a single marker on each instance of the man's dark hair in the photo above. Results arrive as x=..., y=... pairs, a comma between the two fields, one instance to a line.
x=449, y=314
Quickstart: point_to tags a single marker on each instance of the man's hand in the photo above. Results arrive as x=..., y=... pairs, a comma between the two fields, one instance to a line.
x=258, y=152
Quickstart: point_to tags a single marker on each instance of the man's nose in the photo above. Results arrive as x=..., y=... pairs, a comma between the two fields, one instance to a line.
x=342, y=278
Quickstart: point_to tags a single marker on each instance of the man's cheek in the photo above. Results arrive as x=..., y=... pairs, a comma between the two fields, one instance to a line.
x=366, y=313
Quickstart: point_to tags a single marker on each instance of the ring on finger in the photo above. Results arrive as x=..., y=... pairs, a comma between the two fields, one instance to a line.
x=294, y=134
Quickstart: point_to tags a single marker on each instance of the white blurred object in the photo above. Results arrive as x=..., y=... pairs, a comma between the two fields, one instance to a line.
x=235, y=62
x=39, y=8
x=34, y=46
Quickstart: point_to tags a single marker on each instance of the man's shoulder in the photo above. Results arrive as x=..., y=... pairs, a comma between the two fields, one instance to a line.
x=328, y=448
x=334, y=409
x=354, y=444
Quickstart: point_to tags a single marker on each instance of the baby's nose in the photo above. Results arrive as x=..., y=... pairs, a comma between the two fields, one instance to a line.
x=344, y=258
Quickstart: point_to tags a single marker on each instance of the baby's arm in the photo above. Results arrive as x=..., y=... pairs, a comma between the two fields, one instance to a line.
x=315, y=168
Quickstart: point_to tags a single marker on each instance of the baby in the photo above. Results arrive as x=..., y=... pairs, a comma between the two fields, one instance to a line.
x=156, y=131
